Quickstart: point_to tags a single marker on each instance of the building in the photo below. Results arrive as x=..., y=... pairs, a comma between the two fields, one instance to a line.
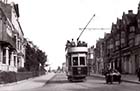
x=99, y=63
x=12, y=44
x=106, y=51
x=123, y=49
x=120, y=49
x=64, y=67
x=125, y=46
x=90, y=59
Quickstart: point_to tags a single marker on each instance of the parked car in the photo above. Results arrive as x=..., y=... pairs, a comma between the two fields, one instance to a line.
x=113, y=76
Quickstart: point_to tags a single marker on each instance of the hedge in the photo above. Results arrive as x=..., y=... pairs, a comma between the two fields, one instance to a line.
x=8, y=77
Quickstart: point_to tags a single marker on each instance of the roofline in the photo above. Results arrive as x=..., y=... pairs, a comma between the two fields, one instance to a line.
x=20, y=26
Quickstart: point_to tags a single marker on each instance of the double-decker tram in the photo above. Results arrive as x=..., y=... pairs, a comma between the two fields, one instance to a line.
x=76, y=61
x=76, y=58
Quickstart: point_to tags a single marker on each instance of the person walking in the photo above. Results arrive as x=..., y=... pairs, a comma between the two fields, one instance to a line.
x=138, y=73
x=109, y=76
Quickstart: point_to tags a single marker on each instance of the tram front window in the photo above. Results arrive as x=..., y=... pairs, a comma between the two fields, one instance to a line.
x=82, y=60
x=75, y=60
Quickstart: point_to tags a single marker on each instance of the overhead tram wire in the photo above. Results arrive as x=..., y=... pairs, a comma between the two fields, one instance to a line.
x=95, y=28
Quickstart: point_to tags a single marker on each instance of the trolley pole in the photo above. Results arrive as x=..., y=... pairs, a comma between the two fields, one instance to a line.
x=85, y=28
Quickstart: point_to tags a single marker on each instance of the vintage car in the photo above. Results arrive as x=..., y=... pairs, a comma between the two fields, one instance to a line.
x=113, y=76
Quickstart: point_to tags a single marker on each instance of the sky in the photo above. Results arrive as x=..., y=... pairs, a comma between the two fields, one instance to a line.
x=50, y=23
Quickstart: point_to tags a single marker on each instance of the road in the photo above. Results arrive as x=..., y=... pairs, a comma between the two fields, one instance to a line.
x=60, y=83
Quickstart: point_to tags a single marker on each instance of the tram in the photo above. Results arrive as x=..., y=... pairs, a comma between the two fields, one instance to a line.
x=76, y=61
x=76, y=58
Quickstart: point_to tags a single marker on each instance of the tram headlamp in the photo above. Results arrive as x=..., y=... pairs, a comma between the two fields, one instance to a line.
x=79, y=68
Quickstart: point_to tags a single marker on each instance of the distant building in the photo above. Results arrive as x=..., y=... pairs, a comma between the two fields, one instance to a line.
x=63, y=67
x=99, y=56
x=90, y=59
x=12, y=42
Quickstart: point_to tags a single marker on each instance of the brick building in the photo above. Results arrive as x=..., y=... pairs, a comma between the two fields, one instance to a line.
x=121, y=47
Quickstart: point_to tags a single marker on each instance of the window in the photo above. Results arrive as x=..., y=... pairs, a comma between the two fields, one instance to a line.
x=69, y=60
x=75, y=60
x=82, y=60
x=131, y=36
x=132, y=29
x=9, y=58
x=18, y=44
x=131, y=42
x=139, y=23
x=4, y=56
x=137, y=39
x=122, y=34
x=14, y=38
x=14, y=60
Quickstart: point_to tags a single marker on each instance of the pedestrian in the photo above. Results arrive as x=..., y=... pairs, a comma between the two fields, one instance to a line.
x=108, y=76
x=72, y=43
x=138, y=73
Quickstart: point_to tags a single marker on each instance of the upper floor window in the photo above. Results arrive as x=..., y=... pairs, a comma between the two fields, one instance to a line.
x=122, y=38
x=131, y=42
x=132, y=29
x=131, y=36
x=138, y=23
x=111, y=41
x=122, y=34
x=137, y=39
x=18, y=44
x=124, y=22
x=117, y=37
x=8, y=30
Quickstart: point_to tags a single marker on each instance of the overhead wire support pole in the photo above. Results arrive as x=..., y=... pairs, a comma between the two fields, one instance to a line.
x=85, y=27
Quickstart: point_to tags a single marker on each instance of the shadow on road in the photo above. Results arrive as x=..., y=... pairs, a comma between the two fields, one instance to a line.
x=58, y=82
x=40, y=81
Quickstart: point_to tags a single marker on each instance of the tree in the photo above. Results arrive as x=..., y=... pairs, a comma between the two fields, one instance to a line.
x=59, y=68
x=41, y=57
x=34, y=57
x=31, y=62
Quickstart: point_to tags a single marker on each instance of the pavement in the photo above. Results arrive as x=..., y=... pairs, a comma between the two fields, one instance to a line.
x=28, y=84
x=124, y=77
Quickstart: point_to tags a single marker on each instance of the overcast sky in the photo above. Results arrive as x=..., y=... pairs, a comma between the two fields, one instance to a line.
x=50, y=23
